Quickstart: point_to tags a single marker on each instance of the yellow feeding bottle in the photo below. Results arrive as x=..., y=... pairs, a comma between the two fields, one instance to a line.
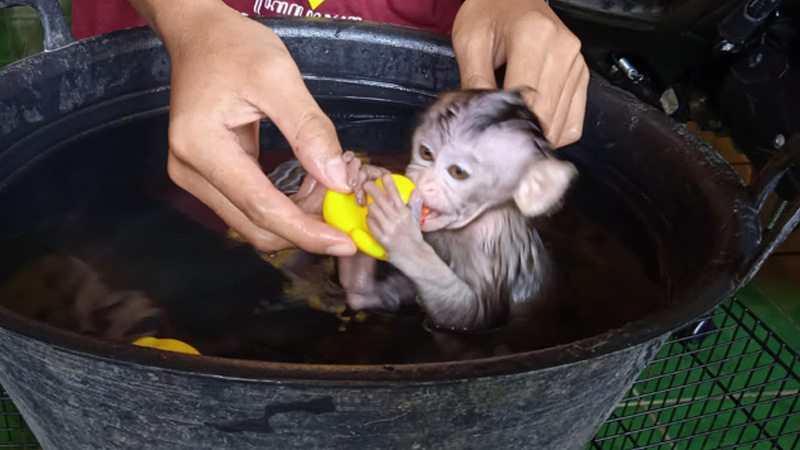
x=342, y=211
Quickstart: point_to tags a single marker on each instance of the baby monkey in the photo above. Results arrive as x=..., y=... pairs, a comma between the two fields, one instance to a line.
x=483, y=168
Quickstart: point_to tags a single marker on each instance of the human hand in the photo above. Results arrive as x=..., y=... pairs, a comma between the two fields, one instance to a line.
x=541, y=54
x=228, y=73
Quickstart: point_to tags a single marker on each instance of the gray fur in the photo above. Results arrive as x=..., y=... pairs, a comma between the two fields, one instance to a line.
x=483, y=262
x=505, y=269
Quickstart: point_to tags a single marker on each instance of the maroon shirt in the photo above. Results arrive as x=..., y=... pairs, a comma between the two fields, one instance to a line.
x=91, y=17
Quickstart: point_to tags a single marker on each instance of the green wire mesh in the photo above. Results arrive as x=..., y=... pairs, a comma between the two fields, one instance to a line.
x=21, y=32
x=14, y=434
x=733, y=384
x=725, y=382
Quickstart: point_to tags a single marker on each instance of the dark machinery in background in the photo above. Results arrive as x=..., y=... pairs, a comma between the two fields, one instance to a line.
x=729, y=66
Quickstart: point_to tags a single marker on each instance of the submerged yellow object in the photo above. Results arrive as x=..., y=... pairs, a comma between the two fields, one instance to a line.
x=171, y=345
x=342, y=211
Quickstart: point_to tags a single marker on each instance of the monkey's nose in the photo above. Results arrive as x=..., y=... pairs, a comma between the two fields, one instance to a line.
x=428, y=189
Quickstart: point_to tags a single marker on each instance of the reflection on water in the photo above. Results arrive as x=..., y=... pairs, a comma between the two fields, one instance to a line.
x=159, y=263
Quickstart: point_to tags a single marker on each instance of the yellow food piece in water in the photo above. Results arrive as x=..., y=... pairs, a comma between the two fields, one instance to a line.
x=171, y=345
x=235, y=235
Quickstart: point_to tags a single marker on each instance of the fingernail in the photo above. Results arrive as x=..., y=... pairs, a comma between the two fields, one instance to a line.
x=336, y=170
x=341, y=250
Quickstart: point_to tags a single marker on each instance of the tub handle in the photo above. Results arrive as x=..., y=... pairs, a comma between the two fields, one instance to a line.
x=56, y=31
x=759, y=190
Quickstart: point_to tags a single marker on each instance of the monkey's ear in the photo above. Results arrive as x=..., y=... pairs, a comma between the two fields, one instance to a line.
x=543, y=186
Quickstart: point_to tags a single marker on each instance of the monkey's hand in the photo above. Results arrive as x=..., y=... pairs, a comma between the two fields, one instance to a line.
x=391, y=222
x=366, y=173
x=448, y=300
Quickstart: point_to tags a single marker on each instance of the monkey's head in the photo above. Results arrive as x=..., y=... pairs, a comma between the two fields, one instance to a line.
x=478, y=149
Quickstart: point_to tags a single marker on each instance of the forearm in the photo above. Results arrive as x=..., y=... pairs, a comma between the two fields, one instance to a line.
x=447, y=299
x=171, y=18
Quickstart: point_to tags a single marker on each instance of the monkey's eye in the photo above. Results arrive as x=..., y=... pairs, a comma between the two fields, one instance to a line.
x=457, y=172
x=425, y=152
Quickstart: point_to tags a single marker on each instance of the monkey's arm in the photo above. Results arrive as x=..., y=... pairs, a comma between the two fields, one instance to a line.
x=448, y=300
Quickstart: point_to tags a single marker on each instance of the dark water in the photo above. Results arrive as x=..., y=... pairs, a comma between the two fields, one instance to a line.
x=123, y=253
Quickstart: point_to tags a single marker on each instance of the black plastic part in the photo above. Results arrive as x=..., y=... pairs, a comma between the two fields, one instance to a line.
x=636, y=79
x=784, y=164
x=647, y=15
x=759, y=94
x=696, y=332
x=742, y=22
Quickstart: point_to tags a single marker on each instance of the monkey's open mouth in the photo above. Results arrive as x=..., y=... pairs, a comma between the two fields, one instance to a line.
x=425, y=212
x=429, y=215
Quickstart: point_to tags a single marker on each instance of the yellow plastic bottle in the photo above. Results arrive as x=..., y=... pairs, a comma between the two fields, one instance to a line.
x=342, y=211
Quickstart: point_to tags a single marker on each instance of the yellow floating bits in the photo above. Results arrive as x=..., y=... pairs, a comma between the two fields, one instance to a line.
x=170, y=345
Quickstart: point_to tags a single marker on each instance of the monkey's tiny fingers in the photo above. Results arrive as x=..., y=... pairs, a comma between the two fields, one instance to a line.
x=352, y=168
x=366, y=173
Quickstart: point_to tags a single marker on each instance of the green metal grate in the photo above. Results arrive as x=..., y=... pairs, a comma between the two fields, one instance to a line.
x=726, y=382
x=21, y=31
x=731, y=383
x=14, y=434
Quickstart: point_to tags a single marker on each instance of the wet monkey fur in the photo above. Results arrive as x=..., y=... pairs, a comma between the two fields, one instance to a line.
x=482, y=166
